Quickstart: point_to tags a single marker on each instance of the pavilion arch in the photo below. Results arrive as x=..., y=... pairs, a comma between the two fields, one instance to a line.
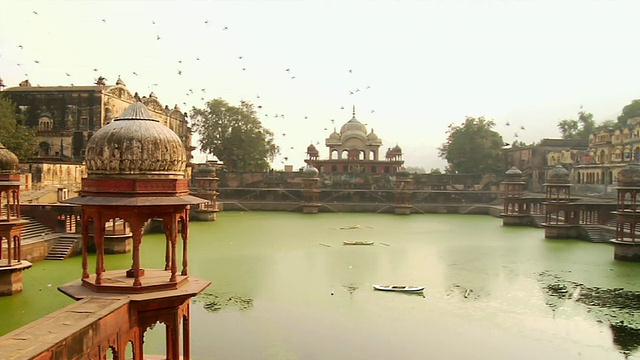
x=334, y=154
x=602, y=158
x=120, y=92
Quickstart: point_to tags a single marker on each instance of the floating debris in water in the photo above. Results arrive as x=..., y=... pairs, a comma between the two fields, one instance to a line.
x=216, y=302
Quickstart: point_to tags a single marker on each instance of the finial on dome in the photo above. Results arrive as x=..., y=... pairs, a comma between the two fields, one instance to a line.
x=354, y=111
x=136, y=96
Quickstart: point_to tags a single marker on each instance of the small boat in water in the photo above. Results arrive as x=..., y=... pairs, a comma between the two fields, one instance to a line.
x=350, y=227
x=400, y=288
x=358, y=242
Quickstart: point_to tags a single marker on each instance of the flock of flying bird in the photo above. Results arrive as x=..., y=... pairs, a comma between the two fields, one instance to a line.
x=183, y=67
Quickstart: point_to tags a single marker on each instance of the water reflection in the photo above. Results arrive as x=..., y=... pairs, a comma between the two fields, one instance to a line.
x=216, y=302
x=617, y=307
x=625, y=338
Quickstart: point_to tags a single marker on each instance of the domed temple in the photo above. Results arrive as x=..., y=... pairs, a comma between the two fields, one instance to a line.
x=136, y=172
x=354, y=150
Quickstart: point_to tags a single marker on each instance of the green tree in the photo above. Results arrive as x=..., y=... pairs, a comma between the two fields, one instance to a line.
x=21, y=140
x=473, y=147
x=629, y=112
x=578, y=129
x=235, y=135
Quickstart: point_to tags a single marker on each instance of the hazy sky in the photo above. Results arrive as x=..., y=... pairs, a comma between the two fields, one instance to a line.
x=413, y=66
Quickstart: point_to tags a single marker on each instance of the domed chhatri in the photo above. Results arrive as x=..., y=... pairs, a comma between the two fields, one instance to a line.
x=513, y=172
x=9, y=163
x=135, y=144
x=558, y=175
x=629, y=175
x=354, y=150
x=353, y=127
x=310, y=171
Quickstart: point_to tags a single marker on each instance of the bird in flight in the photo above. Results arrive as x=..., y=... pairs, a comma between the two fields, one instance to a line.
x=36, y=61
x=21, y=47
x=225, y=28
x=67, y=74
x=104, y=21
x=508, y=124
x=521, y=127
x=35, y=12
x=153, y=22
x=157, y=37
x=206, y=21
x=135, y=73
x=179, y=72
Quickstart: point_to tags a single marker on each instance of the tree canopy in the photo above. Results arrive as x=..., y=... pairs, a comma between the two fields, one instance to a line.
x=580, y=129
x=629, y=112
x=234, y=134
x=473, y=147
x=21, y=140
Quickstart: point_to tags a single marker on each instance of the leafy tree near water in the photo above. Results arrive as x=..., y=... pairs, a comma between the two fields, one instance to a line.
x=21, y=140
x=473, y=147
x=629, y=112
x=235, y=135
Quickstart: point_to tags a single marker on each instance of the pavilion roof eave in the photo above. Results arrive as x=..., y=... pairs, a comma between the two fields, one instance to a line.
x=135, y=201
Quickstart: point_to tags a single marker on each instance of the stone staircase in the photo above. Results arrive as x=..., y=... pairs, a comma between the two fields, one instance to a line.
x=62, y=248
x=36, y=231
x=595, y=234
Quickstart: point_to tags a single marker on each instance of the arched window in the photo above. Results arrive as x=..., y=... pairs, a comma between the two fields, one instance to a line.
x=45, y=123
x=44, y=149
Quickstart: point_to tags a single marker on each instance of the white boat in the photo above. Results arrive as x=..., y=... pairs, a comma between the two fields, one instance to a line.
x=400, y=288
x=358, y=242
x=350, y=227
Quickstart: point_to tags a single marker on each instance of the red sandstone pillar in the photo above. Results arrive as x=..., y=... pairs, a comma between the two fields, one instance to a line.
x=174, y=240
x=98, y=236
x=85, y=240
x=167, y=251
x=136, y=233
x=185, y=236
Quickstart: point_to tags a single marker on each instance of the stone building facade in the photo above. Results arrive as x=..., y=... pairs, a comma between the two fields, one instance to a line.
x=353, y=150
x=66, y=117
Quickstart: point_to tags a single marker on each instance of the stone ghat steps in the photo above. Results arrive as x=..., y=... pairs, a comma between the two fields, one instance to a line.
x=36, y=231
x=62, y=248
x=595, y=234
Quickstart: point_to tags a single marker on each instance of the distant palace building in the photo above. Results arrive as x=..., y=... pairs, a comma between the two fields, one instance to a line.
x=353, y=150
x=66, y=117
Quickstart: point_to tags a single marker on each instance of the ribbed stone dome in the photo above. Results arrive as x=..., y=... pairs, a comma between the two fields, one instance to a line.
x=334, y=136
x=310, y=172
x=629, y=175
x=353, y=126
x=372, y=136
x=9, y=163
x=135, y=145
x=558, y=174
x=513, y=172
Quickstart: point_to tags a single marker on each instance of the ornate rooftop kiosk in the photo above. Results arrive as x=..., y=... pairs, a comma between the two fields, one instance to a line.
x=627, y=243
x=136, y=172
x=11, y=224
x=561, y=217
x=516, y=209
x=353, y=150
x=310, y=190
